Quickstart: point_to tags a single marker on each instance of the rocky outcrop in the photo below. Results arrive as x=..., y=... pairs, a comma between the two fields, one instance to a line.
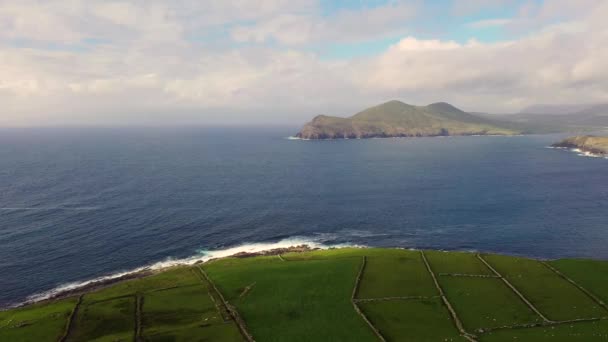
x=586, y=143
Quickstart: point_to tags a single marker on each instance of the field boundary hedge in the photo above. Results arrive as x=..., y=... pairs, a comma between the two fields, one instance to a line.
x=231, y=309
x=353, y=300
x=467, y=275
x=70, y=323
x=139, y=303
x=381, y=299
x=446, y=302
x=515, y=290
x=584, y=290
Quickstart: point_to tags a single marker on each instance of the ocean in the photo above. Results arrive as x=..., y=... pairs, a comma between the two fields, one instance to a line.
x=81, y=203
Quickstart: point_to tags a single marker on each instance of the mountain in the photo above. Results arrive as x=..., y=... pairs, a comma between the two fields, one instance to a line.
x=554, y=109
x=587, y=143
x=398, y=119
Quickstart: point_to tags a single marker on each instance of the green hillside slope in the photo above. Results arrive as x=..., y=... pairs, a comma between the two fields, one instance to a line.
x=398, y=119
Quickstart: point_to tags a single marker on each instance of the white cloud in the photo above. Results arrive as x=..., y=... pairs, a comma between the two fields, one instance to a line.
x=480, y=24
x=344, y=26
x=147, y=70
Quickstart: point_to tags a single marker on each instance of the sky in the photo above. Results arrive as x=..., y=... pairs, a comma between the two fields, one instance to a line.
x=90, y=62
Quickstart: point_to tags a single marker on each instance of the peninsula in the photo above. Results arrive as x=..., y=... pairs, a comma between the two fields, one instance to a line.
x=398, y=119
x=586, y=143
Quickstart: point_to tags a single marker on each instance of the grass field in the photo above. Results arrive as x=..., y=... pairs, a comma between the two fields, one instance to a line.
x=108, y=320
x=293, y=301
x=185, y=314
x=486, y=303
x=309, y=297
x=553, y=296
x=456, y=263
x=42, y=322
x=582, y=332
x=591, y=274
x=412, y=320
x=401, y=275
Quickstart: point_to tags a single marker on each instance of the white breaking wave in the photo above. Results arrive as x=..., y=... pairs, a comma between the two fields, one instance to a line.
x=204, y=255
x=50, y=208
x=295, y=138
x=580, y=152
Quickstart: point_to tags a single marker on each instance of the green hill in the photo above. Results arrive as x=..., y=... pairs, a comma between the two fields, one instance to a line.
x=398, y=119
x=350, y=294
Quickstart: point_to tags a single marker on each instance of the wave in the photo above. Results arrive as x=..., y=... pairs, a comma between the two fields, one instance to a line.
x=580, y=152
x=295, y=138
x=201, y=256
x=50, y=208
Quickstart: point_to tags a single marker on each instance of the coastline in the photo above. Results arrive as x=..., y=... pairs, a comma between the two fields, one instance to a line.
x=586, y=146
x=581, y=152
x=243, y=251
x=295, y=137
x=99, y=284
x=67, y=290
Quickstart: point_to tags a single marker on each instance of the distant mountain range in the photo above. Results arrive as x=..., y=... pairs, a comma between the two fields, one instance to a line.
x=566, y=109
x=398, y=119
x=555, y=118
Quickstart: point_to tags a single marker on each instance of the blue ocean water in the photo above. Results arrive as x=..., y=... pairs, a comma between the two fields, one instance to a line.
x=79, y=203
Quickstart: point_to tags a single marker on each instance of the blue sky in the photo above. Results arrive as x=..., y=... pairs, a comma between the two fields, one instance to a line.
x=283, y=61
x=440, y=19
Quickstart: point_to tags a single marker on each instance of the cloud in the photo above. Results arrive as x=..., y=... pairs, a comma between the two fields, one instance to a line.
x=345, y=26
x=481, y=24
x=144, y=67
x=467, y=7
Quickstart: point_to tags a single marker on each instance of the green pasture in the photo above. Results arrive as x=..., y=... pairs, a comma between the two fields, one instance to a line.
x=309, y=297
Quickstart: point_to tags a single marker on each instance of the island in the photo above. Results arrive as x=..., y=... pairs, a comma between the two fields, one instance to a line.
x=398, y=119
x=336, y=294
x=587, y=143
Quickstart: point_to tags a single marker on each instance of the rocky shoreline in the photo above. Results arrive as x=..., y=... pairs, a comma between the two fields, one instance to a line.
x=274, y=251
x=588, y=144
x=101, y=284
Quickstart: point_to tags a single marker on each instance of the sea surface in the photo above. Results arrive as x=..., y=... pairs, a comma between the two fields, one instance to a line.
x=81, y=203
